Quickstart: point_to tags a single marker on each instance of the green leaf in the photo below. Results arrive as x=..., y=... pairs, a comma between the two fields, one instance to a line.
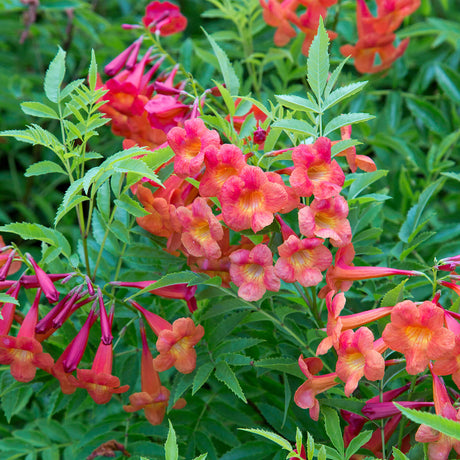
x=201, y=457
x=296, y=126
x=448, y=427
x=131, y=206
x=54, y=76
x=357, y=442
x=342, y=93
x=298, y=103
x=92, y=74
x=225, y=374
x=343, y=145
x=280, y=365
x=72, y=86
x=43, y=167
x=363, y=180
x=201, y=376
x=398, y=455
x=74, y=201
x=171, y=449
x=37, y=109
x=276, y=438
x=333, y=78
x=39, y=232
x=394, y=296
x=298, y=439
x=449, y=81
x=333, y=430
x=411, y=225
x=231, y=80
x=32, y=437
x=318, y=61
x=346, y=119
x=452, y=175
x=7, y=298
x=310, y=446
x=428, y=114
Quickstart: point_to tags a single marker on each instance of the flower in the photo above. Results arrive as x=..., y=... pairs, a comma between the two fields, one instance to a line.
x=358, y=356
x=8, y=309
x=280, y=15
x=164, y=18
x=24, y=353
x=314, y=172
x=418, y=333
x=99, y=381
x=326, y=219
x=154, y=397
x=175, y=341
x=305, y=396
x=302, y=260
x=201, y=230
x=189, y=144
x=252, y=271
x=449, y=363
x=249, y=200
x=45, y=282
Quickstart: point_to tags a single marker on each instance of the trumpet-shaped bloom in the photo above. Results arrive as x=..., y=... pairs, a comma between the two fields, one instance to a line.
x=252, y=271
x=221, y=163
x=359, y=356
x=24, y=353
x=449, y=364
x=249, y=200
x=189, y=144
x=305, y=396
x=281, y=15
x=164, y=18
x=326, y=219
x=201, y=230
x=418, y=333
x=175, y=341
x=440, y=444
x=314, y=172
x=302, y=260
x=391, y=13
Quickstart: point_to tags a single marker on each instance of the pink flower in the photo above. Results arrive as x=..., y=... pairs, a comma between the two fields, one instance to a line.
x=252, y=271
x=302, y=260
x=44, y=281
x=189, y=144
x=359, y=356
x=314, y=172
x=249, y=200
x=418, y=333
x=201, y=230
x=164, y=18
x=326, y=219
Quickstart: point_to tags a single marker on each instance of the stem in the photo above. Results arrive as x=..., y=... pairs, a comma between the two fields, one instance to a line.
x=382, y=422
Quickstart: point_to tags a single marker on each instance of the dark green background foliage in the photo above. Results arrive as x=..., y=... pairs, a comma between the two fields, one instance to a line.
x=247, y=369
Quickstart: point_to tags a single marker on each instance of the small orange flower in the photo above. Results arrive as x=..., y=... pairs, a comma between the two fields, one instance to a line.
x=418, y=333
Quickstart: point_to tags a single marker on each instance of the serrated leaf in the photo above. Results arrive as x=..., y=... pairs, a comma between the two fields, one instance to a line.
x=131, y=206
x=346, y=119
x=92, y=74
x=340, y=146
x=74, y=201
x=7, y=298
x=357, y=442
x=333, y=78
x=296, y=126
x=280, y=364
x=54, y=76
x=225, y=374
x=411, y=224
x=318, y=61
x=201, y=457
x=333, y=430
x=298, y=103
x=298, y=439
x=231, y=80
x=363, y=180
x=446, y=426
x=415, y=242
x=394, y=296
x=398, y=455
x=171, y=449
x=449, y=81
x=201, y=376
x=310, y=446
x=37, y=109
x=43, y=167
x=39, y=232
x=342, y=93
x=276, y=438
x=71, y=87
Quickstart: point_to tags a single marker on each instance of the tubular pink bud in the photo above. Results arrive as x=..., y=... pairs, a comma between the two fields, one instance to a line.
x=106, y=334
x=45, y=282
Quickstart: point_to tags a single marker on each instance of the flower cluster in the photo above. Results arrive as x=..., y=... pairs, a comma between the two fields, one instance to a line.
x=374, y=51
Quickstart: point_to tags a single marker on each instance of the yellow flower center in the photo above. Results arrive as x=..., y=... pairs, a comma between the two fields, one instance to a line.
x=192, y=148
x=251, y=202
x=355, y=361
x=302, y=259
x=419, y=337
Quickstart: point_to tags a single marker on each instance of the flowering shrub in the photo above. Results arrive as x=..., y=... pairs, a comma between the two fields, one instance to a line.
x=245, y=266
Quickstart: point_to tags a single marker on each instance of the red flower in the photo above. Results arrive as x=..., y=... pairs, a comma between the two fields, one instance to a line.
x=164, y=18
x=252, y=271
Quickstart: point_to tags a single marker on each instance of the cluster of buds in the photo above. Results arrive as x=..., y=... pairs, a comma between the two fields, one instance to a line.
x=426, y=334
x=23, y=352
x=374, y=51
x=142, y=102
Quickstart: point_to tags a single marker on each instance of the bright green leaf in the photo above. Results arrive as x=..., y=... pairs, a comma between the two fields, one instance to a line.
x=225, y=374
x=276, y=438
x=318, y=61
x=54, y=76
x=37, y=109
x=171, y=449
x=43, y=167
x=346, y=119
